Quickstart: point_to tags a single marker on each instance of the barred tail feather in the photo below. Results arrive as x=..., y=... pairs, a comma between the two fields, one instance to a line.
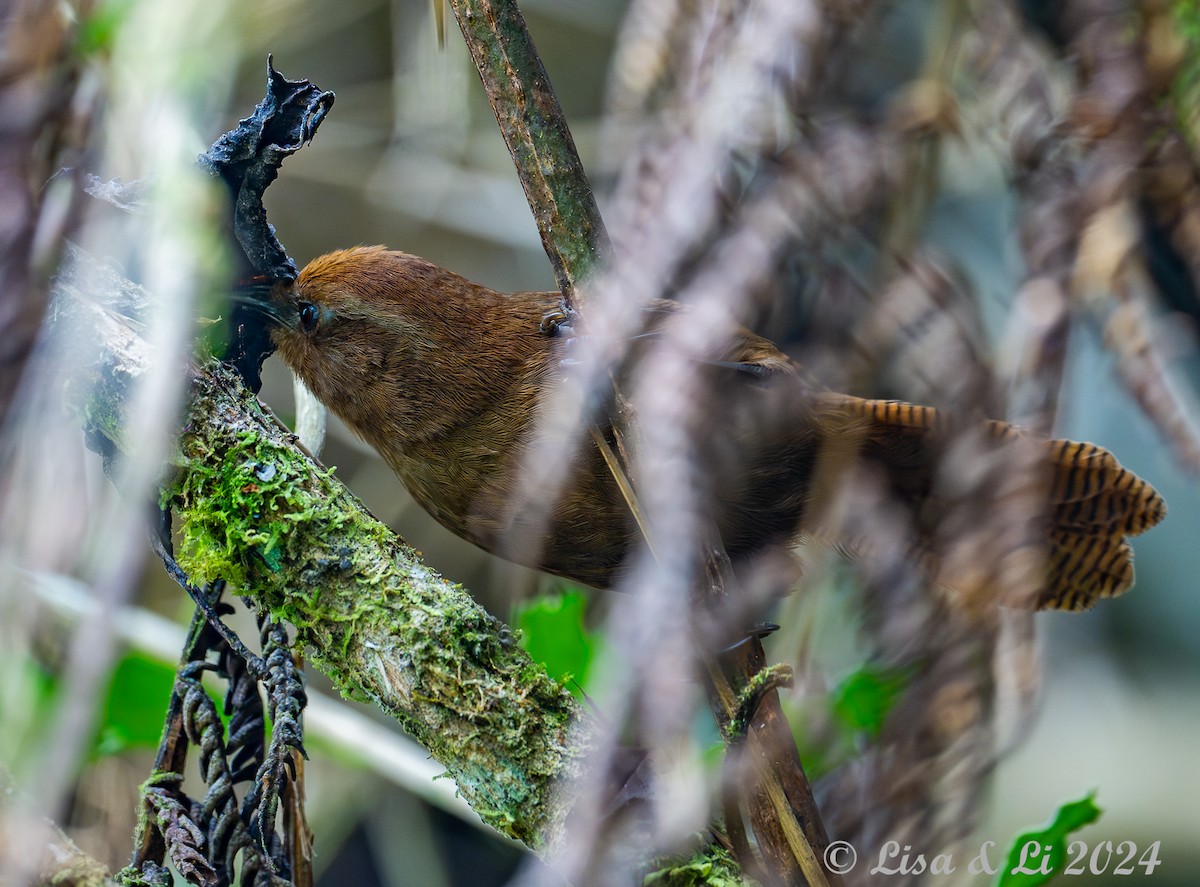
x=1084, y=568
x=1093, y=502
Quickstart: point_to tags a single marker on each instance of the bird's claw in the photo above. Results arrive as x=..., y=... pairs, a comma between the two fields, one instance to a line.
x=570, y=347
x=556, y=322
x=758, y=631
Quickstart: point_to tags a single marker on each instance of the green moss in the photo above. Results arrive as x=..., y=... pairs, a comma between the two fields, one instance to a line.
x=773, y=676
x=711, y=866
x=80, y=871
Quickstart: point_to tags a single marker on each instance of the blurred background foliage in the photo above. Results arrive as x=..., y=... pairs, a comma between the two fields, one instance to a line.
x=411, y=157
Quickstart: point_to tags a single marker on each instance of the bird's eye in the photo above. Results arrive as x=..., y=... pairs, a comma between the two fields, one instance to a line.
x=309, y=315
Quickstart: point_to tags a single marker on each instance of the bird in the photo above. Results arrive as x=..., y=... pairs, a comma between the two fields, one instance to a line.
x=445, y=377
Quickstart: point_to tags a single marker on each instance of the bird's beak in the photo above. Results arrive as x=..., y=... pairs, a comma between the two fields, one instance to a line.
x=261, y=296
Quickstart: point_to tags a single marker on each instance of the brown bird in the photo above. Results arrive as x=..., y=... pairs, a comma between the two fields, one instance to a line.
x=443, y=377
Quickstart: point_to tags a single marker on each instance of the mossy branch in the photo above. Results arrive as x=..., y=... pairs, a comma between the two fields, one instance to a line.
x=256, y=510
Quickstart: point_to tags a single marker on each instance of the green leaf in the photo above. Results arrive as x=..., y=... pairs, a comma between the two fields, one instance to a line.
x=136, y=705
x=553, y=633
x=861, y=702
x=1035, y=857
x=98, y=30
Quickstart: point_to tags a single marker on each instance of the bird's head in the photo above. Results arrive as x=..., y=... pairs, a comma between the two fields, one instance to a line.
x=390, y=342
